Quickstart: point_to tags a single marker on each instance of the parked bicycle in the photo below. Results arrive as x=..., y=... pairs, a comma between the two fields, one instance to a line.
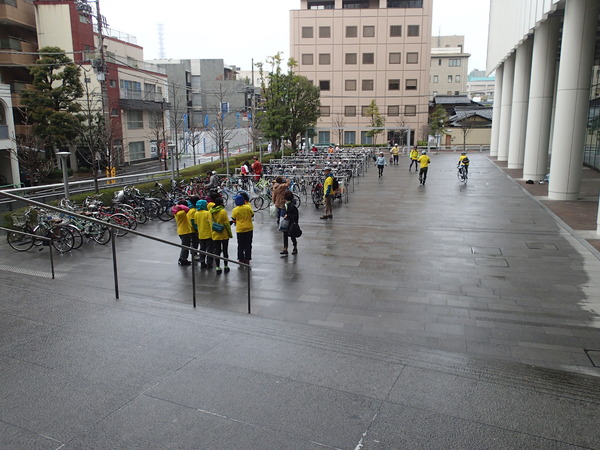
x=35, y=221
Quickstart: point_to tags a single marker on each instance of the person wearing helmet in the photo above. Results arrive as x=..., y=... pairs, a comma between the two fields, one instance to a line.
x=380, y=162
x=463, y=160
x=424, y=162
x=414, y=156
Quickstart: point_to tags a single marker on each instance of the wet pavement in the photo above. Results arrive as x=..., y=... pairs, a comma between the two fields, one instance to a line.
x=434, y=316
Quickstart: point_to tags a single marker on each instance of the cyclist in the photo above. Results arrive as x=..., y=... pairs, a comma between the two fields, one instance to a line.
x=463, y=161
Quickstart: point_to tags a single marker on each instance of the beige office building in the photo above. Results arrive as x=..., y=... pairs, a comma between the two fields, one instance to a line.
x=449, y=65
x=357, y=51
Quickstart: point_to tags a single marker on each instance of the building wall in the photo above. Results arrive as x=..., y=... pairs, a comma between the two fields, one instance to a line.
x=53, y=22
x=410, y=104
x=477, y=136
x=449, y=66
x=9, y=167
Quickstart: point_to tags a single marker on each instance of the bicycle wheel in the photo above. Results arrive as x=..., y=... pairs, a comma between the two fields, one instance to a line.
x=460, y=175
x=297, y=201
x=225, y=196
x=62, y=239
x=164, y=213
x=140, y=215
x=258, y=203
x=77, y=236
x=121, y=220
x=101, y=234
x=19, y=242
x=317, y=197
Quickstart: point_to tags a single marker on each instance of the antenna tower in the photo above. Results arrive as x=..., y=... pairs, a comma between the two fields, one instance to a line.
x=161, y=41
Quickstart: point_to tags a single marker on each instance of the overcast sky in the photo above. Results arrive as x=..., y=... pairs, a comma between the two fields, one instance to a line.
x=239, y=30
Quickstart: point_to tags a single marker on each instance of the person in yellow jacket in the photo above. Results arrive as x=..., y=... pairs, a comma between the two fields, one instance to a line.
x=463, y=160
x=203, y=220
x=191, y=203
x=184, y=230
x=328, y=193
x=424, y=162
x=242, y=216
x=395, y=151
x=414, y=159
x=220, y=237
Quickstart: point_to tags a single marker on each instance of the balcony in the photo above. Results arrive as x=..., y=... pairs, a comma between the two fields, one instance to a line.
x=16, y=88
x=9, y=43
x=18, y=12
x=141, y=100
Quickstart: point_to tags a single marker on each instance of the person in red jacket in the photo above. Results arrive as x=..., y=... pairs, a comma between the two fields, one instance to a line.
x=256, y=169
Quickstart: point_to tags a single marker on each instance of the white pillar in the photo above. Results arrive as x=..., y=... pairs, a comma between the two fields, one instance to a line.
x=520, y=103
x=506, y=107
x=572, y=98
x=541, y=96
x=496, y=112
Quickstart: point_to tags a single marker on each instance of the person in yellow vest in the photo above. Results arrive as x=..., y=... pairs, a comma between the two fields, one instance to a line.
x=220, y=236
x=184, y=230
x=242, y=216
x=463, y=160
x=203, y=221
x=192, y=216
x=414, y=156
x=424, y=162
x=395, y=151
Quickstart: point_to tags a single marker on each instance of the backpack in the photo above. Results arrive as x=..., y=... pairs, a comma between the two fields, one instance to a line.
x=465, y=161
x=335, y=186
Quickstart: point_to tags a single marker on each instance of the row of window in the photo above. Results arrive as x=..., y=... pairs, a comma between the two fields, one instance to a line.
x=363, y=4
x=410, y=84
x=392, y=111
x=307, y=59
x=368, y=31
x=451, y=79
x=135, y=119
x=452, y=62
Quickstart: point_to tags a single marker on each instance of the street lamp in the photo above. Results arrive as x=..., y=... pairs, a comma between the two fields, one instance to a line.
x=63, y=163
x=227, y=157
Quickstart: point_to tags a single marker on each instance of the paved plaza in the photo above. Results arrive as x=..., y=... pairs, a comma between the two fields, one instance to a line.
x=436, y=316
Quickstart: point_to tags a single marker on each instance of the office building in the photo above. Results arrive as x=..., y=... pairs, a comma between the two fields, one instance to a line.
x=357, y=51
x=449, y=65
x=546, y=59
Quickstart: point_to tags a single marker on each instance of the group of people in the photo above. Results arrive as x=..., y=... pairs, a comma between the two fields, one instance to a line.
x=421, y=162
x=206, y=226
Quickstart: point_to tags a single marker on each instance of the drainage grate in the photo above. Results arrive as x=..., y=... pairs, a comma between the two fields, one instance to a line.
x=33, y=273
x=489, y=251
x=540, y=246
x=494, y=262
x=594, y=356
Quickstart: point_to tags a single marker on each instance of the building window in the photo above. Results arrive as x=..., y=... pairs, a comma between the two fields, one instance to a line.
x=410, y=110
x=307, y=59
x=412, y=58
x=324, y=137
x=440, y=62
x=394, y=85
x=324, y=85
x=82, y=17
x=412, y=30
x=324, y=59
x=366, y=138
x=454, y=63
x=411, y=85
x=351, y=58
x=131, y=90
x=113, y=83
x=136, y=151
x=307, y=32
x=368, y=31
x=367, y=85
x=325, y=111
x=350, y=111
x=395, y=30
x=449, y=78
x=395, y=58
x=324, y=32
x=405, y=3
x=350, y=85
x=364, y=111
x=368, y=58
x=135, y=119
x=114, y=112
x=457, y=78
x=435, y=79
x=351, y=31
x=349, y=137
x=393, y=110
x=156, y=120
x=435, y=93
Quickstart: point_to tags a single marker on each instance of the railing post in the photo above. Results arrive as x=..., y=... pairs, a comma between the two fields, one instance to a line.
x=113, y=238
x=51, y=259
x=194, y=279
x=249, y=304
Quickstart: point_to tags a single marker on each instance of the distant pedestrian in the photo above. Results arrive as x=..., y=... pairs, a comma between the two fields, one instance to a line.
x=328, y=194
x=242, y=216
x=414, y=159
x=203, y=220
x=192, y=216
x=280, y=185
x=292, y=216
x=220, y=237
x=395, y=151
x=380, y=163
x=256, y=169
x=184, y=230
x=424, y=162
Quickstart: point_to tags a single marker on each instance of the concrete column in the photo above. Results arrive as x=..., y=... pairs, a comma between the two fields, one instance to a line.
x=506, y=107
x=496, y=112
x=520, y=103
x=541, y=96
x=572, y=98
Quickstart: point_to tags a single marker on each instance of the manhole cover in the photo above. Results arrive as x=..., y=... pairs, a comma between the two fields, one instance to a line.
x=494, y=262
x=541, y=246
x=489, y=251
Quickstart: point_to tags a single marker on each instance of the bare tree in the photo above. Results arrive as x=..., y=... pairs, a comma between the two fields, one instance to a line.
x=339, y=123
x=176, y=118
x=219, y=129
x=466, y=128
x=30, y=153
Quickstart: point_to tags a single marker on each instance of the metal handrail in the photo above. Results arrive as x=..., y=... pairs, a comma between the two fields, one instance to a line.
x=137, y=233
x=42, y=238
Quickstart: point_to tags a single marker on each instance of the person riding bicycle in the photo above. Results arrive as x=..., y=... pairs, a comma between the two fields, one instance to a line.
x=463, y=161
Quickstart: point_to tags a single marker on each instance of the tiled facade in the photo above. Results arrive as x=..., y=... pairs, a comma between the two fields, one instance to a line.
x=357, y=51
x=449, y=65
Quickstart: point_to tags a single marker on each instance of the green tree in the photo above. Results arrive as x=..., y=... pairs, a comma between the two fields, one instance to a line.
x=291, y=102
x=438, y=121
x=53, y=104
x=376, y=121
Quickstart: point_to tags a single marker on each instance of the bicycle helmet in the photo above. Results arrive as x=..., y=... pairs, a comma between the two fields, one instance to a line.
x=463, y=153
x=423, y=152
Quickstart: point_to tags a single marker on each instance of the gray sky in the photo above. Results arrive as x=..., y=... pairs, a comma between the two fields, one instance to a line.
x=239, y=30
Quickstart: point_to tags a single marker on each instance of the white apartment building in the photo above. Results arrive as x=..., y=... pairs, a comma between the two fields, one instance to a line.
x=449, y=65
x=545, y=57
x=357, y=51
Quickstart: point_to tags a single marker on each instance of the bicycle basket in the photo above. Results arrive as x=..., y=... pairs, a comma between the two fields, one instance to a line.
x=18, y=220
